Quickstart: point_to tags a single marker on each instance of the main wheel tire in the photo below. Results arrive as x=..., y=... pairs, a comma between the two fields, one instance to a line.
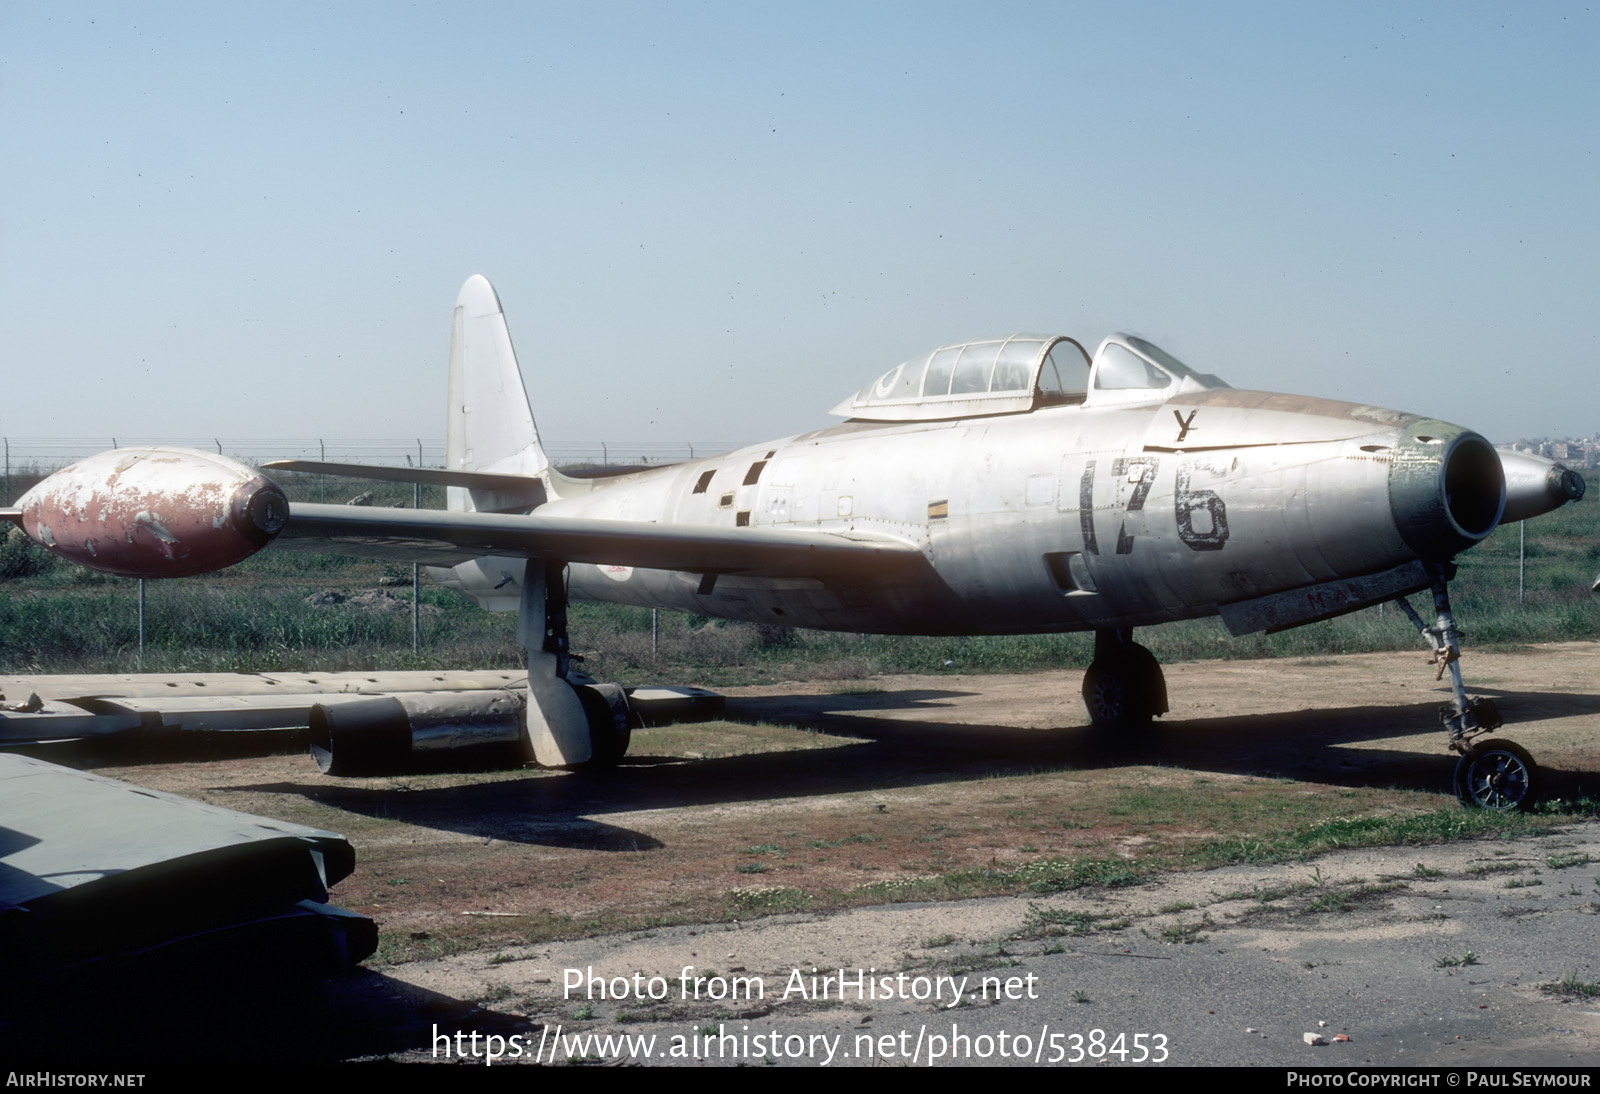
x=1113, y=693
x=1498, y=775
x=606, y=707
x=1125, y=691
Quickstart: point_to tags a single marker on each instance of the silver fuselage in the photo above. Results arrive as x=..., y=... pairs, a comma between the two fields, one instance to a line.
x=1064, y=518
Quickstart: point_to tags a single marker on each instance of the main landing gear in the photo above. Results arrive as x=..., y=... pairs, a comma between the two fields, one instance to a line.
x=1123, y=686
x=571, y=720
x=1491, y=774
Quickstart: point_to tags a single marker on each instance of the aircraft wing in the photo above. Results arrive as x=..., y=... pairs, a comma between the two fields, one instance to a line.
x=445, y=538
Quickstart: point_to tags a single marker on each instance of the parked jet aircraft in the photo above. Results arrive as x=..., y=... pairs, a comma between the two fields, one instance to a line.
x=1002, y=486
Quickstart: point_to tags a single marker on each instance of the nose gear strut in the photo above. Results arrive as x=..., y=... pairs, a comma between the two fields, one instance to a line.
x=1490, y=774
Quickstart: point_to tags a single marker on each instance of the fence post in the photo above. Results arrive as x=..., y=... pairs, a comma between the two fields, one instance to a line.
x=416, y=582
x=416, y=570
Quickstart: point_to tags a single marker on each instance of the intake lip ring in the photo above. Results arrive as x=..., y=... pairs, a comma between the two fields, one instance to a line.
x=1447, y=489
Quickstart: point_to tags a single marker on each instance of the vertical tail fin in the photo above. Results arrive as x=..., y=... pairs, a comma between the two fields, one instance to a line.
x=489, y=424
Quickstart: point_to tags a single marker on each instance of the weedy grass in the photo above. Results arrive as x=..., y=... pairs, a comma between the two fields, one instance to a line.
x=1567, y=861
x=1184, y=934
x=1479, y=868
x=1052, y=922
x=1570, y=987
x=1346, y=899
x=713, y=898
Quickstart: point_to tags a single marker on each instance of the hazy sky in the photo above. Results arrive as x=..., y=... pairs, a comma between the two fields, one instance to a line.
x=716, y=220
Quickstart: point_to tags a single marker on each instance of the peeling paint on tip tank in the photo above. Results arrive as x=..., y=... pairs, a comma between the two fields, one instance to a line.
x=154, y=512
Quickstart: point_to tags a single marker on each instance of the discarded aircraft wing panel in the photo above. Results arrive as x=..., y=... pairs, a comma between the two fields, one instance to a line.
x=54, y=720
x=92, y=868
x=73, y=688
x=62, y=708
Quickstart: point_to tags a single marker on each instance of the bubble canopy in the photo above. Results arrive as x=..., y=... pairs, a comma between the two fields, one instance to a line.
x=1021, y=373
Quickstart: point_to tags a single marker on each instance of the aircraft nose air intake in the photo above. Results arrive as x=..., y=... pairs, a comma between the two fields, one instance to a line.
x=1446, y=488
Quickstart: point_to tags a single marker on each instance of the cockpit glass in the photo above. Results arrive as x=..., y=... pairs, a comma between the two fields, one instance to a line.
x=910, y=383
x=1120, y=369
x=1014, y=375
x=1160, y=356
x=939, y=370
x=1065, y=371
x=972, y=371
x=1014, y=364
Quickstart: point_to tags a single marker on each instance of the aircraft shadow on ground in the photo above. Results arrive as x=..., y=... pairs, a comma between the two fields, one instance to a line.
x=164, y=1012
x=881, y=753
x=1320, y=745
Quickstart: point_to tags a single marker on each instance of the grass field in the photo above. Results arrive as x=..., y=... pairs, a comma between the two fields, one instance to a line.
x=58, y=617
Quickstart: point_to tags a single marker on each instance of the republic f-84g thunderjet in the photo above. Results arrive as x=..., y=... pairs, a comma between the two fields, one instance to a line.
x=1004, y=486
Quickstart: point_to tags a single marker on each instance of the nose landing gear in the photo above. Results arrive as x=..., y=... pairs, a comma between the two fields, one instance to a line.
x=1496, y=775
x=1491, y=774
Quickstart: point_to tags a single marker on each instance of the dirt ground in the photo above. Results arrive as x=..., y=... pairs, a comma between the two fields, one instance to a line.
x=855, y=789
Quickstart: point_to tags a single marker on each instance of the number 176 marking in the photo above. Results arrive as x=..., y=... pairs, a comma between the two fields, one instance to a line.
x=1187, y=500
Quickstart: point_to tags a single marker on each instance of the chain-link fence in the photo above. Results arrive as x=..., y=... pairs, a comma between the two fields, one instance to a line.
x=279, y=610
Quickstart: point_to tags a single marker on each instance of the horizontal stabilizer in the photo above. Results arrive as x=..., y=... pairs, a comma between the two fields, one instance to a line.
x=444, y=538
x=427, y=476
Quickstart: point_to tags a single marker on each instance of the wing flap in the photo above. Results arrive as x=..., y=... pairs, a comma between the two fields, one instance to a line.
x=444, y=538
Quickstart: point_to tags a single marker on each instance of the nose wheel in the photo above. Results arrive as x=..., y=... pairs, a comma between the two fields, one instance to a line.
x=1496, y=775
x=1491, y=774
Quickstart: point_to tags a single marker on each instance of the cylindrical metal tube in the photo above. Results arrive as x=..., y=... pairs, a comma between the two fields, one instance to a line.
x=392, y=733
